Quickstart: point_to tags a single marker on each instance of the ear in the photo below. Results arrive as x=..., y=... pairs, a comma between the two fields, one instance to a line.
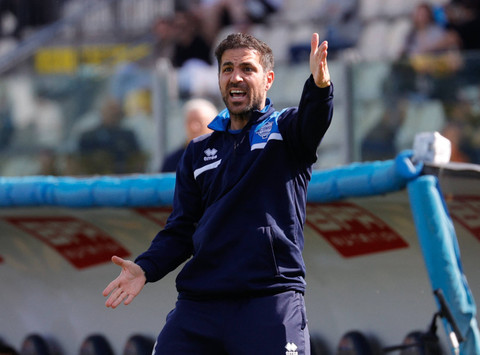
x=270, y=77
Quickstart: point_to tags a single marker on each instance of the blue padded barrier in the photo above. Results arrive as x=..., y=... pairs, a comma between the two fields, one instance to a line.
x=359, y=179
x=438, y=241
x=95, y=191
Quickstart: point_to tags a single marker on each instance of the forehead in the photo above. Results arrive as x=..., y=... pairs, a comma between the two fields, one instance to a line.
x=239, y=56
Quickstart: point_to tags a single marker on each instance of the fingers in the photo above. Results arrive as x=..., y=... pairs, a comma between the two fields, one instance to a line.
x=115, y=298
x=114, y=284
x=323, y=51
x=129, y=299
x=111, y=286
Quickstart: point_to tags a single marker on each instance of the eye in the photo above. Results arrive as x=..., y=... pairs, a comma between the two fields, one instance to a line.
x=227, y=70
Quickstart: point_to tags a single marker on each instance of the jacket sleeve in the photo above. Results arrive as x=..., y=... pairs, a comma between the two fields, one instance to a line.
x=173, y=245
x=304, y=127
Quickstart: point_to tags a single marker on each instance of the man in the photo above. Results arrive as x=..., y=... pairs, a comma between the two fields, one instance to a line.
x=197, y=113
x=238, y=214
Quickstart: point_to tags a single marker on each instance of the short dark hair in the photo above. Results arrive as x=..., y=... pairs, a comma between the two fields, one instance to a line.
x=244, y=40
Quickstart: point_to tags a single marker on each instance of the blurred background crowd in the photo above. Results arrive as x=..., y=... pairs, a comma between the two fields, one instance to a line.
x=107, y=86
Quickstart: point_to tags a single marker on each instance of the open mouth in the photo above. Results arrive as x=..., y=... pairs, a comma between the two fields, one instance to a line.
x=237, y=94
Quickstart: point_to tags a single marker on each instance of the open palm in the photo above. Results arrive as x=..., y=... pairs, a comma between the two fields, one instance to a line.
x=318, y=62
x=127, y=285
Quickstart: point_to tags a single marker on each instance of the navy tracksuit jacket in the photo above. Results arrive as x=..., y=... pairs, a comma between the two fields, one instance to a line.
x=239, y=205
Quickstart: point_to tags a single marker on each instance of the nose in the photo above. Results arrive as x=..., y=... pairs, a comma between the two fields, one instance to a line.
x=236, y=76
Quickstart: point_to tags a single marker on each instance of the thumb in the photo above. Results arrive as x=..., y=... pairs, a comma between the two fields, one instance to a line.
x=314, y=42
x=118, y=261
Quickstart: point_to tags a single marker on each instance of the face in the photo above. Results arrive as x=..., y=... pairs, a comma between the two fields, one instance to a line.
x=243, y=82
x=197, y=123
x=422, y=16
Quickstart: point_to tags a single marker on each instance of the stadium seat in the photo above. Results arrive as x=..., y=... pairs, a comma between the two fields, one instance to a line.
x=95, y=344
x=354, y=343
x=421, y=344
x=318, y=345
x=372, y=42
x=36, y=344
x=397, y=35
x=370, y=9
x=138, y=345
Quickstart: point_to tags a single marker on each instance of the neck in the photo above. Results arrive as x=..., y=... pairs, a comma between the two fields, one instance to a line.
x=238, y=121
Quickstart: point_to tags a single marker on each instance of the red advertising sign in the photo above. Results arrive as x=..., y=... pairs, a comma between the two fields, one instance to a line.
x=78, y=241
x=466, y=211
x=352, y=230
x=158, y=215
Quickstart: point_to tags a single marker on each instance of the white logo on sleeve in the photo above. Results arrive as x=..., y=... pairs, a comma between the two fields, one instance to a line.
x=291, y=349
x=210, y=154
x=264, y=131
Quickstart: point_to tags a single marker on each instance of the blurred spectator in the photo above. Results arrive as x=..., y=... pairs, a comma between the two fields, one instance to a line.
x=19, y=9
x=432, y=59
x=47, y=161
x=109, y=148
x=463, y=129
x=427, y=36
x=181, y=39
x=189, y=43
x=454, y=132
x=163, y=37
x=463, y=18
x=198, y=113
x=6, y=122
x=30, y=13
x=239, y=14
x=342, y=22
x=379, y=142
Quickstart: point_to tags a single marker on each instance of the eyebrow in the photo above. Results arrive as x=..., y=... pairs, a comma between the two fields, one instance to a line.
x=242, y=64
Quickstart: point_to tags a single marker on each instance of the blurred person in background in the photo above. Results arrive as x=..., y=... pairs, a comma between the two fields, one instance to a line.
x=427, y=36
x=163, y=34
x=180, y=39
x=215, y=15
x=463, y=18
x=343, y=27
x=343, y=23
x=7, y=127
x=110, y=148
x=197, y=115
x=189, y=42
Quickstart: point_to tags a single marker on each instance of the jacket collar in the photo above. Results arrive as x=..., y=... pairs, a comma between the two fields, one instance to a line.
x=222, y=120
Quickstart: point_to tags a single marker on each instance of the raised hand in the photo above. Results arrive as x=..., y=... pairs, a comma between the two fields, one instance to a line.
x=318, y=62
x=127, y=285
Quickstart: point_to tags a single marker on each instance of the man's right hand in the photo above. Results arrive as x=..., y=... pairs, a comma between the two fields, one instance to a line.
x=127, y=285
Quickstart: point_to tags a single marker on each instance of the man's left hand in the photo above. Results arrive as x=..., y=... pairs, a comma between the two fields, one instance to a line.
x=318, y=62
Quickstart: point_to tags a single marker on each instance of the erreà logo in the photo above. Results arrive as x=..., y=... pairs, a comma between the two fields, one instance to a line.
x=291, y=349
x=210, y=154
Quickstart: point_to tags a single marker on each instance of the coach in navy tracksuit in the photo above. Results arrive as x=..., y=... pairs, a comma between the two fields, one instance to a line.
x=238, y=216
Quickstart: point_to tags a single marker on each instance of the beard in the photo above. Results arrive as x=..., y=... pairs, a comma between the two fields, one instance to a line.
x=242, y=111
